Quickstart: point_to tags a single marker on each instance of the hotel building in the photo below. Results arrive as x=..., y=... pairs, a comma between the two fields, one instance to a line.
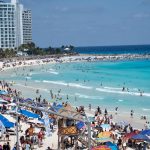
x=15, y=25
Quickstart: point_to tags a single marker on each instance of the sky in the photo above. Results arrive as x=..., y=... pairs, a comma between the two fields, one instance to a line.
x=89, y=22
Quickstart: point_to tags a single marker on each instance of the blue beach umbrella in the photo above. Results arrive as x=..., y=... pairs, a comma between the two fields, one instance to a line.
x=145, y=132
x=140, y=137
x=28, y=114
x=6, y=122
x=80, y=125
x=112, y=146
x=3, y=92
x=106, y=127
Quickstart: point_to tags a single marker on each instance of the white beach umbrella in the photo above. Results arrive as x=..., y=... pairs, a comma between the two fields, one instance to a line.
x=36, y=121
x=3, y=101
x=12, y=104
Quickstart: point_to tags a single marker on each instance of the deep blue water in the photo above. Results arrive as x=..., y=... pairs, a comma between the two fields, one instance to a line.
x=128, y=49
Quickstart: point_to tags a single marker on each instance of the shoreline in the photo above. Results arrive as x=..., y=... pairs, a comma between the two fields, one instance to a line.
x=31, y=61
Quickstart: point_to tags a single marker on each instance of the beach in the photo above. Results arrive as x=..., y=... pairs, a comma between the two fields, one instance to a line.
x=20, y=75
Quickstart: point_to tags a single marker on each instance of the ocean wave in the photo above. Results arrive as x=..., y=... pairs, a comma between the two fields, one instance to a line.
x=55, y=82
x=112, y=88
x=31, y=87
x=13, y=75
x=106, y=90
x=88, y=97
x=79, y=86
x=120, y=100
x=53, y=72
x=145, y=109
x=37, y=81
x=28, y=77
x=68, y=84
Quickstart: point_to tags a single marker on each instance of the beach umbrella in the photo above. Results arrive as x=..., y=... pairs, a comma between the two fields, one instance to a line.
x=35, y=121
x=104, y=134
x=129, y=135
x=28, y=100
x=80, y=125
x=112, y=146
x=104, y=139
x=3, y=92
x=6, y=98
x=141, y=137
x=106, y=127
x=28, y=114
x=145, y=132
x=101, y=147
x=12, y=104
x=3, y=101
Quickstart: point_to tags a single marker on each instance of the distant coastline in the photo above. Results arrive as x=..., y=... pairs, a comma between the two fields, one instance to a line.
x=38, y=60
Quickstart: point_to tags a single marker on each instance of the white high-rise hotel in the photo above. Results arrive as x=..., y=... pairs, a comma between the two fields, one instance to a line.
x=15, y=25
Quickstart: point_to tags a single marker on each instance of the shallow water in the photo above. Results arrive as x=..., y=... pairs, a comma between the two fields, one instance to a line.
x=96, y=83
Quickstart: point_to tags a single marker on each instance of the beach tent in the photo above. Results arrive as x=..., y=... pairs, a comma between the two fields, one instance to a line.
x=28, y=114
x=141, y=137
x=112, y=146
x=6, y=122
x=145, y=132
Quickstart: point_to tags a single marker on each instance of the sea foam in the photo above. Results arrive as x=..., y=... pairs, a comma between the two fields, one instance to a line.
x=112, y=90
x=88, y=97
x=68, y=84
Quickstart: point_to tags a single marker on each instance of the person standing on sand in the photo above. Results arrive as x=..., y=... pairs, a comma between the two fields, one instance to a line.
x=116, y=109
x=131, y=113
x=89, y=107
x=99, y=110
x=106, y=111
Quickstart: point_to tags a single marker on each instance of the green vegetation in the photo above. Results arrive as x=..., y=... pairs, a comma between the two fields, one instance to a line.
x=7, y=53
x=31, y=49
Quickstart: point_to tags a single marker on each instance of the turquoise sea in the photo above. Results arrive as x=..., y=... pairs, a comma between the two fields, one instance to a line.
x=95, y=83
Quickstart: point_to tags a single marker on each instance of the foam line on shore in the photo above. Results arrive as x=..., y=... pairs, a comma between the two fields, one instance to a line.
x=88, y=97
x=55, y=82
x=106, y=90
x=26, y=86
x=53, y=72
x=68, y=84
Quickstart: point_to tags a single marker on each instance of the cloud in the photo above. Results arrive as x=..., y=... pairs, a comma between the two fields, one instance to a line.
x=62, y=9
